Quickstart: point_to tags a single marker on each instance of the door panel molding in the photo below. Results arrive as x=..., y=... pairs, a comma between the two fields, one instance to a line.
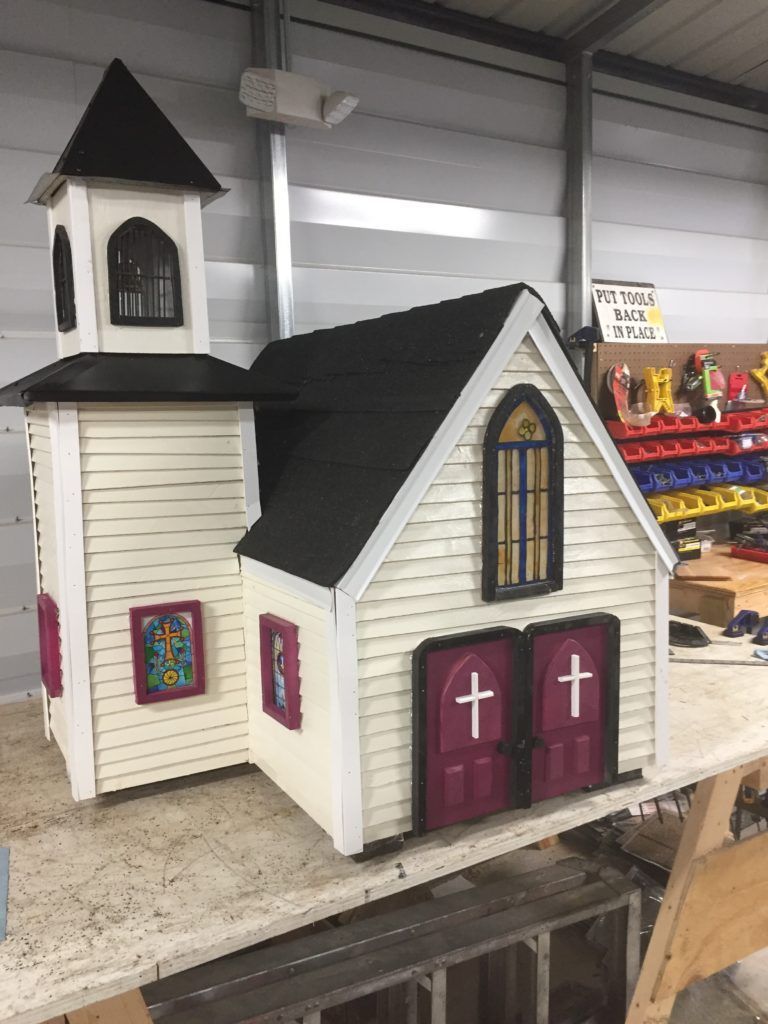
x=419, y=685
x=524, y=740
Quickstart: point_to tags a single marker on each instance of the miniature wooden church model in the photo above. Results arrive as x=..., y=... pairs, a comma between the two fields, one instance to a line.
x=434, y=594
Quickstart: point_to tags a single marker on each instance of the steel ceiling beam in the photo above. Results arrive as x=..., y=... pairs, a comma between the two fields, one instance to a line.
x=643, y=71
x=539, y=44
x=613, y=22
x=457, y=23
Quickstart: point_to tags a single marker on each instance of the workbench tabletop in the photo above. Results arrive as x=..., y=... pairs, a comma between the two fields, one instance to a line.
x=116, y=892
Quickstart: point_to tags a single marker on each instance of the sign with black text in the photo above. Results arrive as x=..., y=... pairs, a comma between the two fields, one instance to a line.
x=628, y=311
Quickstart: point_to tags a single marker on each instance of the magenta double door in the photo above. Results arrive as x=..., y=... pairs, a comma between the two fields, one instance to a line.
x=504, y=719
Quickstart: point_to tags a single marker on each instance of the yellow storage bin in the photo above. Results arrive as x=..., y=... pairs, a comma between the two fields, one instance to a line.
x=728, y=498
x=668, y=507
x=710, y=501
x=760, y=495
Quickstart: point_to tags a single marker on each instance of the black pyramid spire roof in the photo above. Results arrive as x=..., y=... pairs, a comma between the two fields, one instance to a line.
x=124, y=135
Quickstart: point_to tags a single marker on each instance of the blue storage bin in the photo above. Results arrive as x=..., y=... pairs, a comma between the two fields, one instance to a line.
x=753, y=471
x=733, y=470
x=662, y=477
x=698, y=472
x=718, y=471
x=643, y=478
x=681, y=474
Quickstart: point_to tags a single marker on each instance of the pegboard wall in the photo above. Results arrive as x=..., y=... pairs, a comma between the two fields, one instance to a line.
x=637, y=355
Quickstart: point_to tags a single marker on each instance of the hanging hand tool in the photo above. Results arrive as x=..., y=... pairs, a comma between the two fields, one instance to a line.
x=712, y=379
x=658, y=390
x=761, y=374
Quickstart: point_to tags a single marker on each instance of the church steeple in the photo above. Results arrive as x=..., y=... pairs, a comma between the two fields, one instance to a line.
x=124, y=202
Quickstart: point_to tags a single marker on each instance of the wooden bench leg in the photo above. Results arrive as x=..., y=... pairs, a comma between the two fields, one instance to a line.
x=498, y=987
x=622, y=959
x=439, y=1011
x=534, y=957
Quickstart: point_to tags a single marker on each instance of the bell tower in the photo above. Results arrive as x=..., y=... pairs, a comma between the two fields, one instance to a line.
x=124, y=206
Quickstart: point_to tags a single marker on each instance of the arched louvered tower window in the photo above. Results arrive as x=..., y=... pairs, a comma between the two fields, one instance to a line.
x=63, y=280
x=522, y=497
x=144, y=279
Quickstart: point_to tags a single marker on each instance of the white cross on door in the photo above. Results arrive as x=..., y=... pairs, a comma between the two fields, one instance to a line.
x=474, y=697
x=575, y=680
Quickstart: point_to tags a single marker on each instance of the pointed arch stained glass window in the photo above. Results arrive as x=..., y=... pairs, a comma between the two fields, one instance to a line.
x=523, y=503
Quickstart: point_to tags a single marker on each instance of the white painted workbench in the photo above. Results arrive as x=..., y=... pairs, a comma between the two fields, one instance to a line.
x=108, y=895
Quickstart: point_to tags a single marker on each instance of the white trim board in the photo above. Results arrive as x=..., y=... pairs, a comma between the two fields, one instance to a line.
x=346, y=772
x=193, y=258
x=250, y=463
x=68, y=503
x=661, y=697
x=38, y=580
x=82, y=267
x=447, y=436
x=573, y=389
x=321, y=597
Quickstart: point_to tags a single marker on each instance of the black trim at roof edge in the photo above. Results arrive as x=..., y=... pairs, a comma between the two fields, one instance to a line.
x=128, y=377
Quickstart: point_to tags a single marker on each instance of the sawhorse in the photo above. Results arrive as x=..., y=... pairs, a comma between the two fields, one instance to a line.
x=715, y=908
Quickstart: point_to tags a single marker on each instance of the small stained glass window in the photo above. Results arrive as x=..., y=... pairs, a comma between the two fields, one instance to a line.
x=278, y=669
x=167, y=651
x=522, y=517
x=144, y=276
x=63, y=281
x=280, y=682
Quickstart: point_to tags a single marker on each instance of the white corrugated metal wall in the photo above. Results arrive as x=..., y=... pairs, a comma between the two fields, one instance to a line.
x=448, y=179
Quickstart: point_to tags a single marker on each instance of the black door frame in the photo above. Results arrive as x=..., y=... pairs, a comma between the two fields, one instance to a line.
x=419, y=705
x=611, y=710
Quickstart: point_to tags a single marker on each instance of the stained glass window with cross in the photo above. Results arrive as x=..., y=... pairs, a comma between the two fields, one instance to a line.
x=523, y=505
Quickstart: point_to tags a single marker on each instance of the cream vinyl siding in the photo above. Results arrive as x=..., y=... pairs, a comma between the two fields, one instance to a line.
x=429, y=586
x=163, y=507
x=38, y=425
x=298, y=760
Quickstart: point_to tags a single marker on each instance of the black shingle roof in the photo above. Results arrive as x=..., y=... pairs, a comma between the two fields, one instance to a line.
x=371, y=396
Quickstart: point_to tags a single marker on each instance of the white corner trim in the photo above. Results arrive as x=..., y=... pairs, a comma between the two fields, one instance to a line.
x=313, y=593
x=38, y=577
x=250, y=463
x=68, y=503
x=194, y=292
x=661, y=708
x=446, y=437
x=82, y=265
x=571, y=386
x=346, y=772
